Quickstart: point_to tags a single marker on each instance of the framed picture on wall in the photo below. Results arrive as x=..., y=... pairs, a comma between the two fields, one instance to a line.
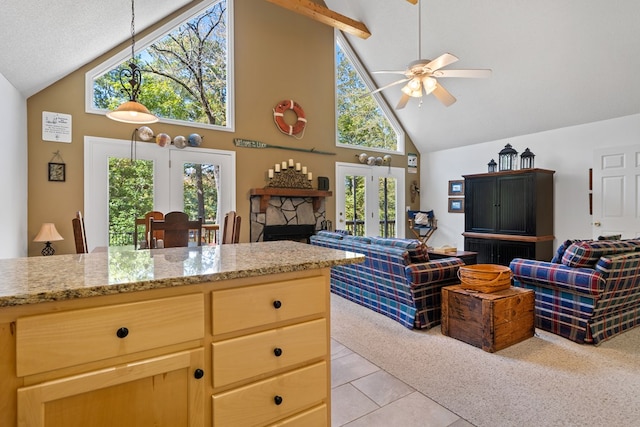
x=456, y=188
x=456, y=205
x=57, y=172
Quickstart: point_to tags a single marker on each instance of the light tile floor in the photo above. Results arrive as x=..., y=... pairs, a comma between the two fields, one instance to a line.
x=363, y=395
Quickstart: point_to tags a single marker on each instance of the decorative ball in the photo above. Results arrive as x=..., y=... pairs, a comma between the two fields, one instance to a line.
x=180, y=141
x=363, y=157
x=145, y=133
x=371, y=161
x=378, y=161
x=194, y=140
x=386, y=160
x=163, y=139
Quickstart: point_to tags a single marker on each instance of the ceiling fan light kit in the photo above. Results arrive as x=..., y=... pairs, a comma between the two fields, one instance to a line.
x=420, y=77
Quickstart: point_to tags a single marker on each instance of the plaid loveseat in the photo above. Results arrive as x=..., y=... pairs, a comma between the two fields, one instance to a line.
x=589, y=292
x=397, y=279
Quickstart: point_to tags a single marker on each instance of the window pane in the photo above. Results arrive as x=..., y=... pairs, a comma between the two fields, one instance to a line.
x=184, y=73
x=130, y=197
x=361, y=121
x=201, y=191
x=387, y=206
x=354, y=204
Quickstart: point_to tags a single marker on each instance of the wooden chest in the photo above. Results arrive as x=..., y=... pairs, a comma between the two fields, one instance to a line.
x=489, y=321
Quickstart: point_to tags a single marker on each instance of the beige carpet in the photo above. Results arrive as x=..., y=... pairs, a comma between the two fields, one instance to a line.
x=544, y=381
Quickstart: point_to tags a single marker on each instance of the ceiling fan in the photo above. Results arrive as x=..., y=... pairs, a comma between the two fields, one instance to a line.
x=421, y=77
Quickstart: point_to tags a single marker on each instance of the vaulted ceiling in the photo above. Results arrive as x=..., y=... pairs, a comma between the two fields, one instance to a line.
x=555, y=63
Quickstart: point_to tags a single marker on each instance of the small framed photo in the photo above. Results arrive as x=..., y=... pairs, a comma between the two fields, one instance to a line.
x=57, y=172
x=456, y=188
x=456, y=205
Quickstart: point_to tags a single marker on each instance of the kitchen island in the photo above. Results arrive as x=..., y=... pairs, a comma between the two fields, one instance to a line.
x=225, y=335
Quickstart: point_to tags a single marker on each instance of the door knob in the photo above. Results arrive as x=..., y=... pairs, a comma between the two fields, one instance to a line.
x=597, y=224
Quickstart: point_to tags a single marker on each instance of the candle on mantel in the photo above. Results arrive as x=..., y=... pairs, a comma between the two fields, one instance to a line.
x=304, y=170
x=298, y=167
x=277, y=168
x=310, y=176
x=290, y=163
x=270, y=173
x=284, y=165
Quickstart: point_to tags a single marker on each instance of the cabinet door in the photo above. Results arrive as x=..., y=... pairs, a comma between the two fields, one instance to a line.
x=162, y=391
x=515, y=211
x=507, y=250
x=480, y=204
x=484, y=248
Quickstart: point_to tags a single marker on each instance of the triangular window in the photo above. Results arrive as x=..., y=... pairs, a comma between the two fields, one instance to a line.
x=186, y=70
x=363, y=120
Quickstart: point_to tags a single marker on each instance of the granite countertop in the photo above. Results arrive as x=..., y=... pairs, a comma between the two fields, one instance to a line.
x=39, y=279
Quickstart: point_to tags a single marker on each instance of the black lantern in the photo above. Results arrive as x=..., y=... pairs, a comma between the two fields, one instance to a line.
x=493, y=166
x=507, y=158
x=526, y=159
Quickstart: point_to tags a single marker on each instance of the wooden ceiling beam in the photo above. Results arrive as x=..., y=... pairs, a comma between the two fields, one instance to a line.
x=326, y=16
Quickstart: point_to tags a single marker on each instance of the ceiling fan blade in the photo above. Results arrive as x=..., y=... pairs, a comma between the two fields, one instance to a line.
x=403, y=101
x=477, y=74
x=389, y=85
x=442, y=61
x=388, y=72
x=443, y=95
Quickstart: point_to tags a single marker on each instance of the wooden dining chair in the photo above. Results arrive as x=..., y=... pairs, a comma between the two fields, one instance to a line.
x=79, y=234
x=177, y=228
x=148, y=237
x=231, y=229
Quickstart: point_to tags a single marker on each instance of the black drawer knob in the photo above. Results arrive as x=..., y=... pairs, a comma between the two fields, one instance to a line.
x=277, y=304
x=122, y=332
x=277, y=400
x=277, y=351
x=198, y=373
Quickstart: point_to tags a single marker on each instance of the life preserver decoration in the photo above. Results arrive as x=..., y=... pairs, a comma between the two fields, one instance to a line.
x=278, y=117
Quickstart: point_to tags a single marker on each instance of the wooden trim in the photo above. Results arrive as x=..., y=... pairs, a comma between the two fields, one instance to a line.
x=516, y=172
x=509, y=237
x=266, y=193
x=326, y=16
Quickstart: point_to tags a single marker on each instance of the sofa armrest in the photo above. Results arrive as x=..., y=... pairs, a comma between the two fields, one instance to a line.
x=433, y=271
x=551, y=275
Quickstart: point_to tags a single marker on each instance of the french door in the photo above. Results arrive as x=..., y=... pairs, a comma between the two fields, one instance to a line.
x=118, y=189
x=370, y=200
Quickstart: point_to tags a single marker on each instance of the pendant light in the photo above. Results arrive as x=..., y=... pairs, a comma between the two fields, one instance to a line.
x=132, y=111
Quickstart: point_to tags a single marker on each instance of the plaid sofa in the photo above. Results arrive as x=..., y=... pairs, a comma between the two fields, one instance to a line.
x=397, y=279
x=589, y=292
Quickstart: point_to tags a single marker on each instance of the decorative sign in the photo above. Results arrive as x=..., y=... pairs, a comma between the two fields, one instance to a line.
x=412, y=163
x=56, y=127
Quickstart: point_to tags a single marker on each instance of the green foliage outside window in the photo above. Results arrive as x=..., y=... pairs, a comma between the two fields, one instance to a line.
x=184, y=74
x=361, y=121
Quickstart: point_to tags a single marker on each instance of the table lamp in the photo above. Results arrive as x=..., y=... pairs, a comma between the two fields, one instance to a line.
x=48, y=234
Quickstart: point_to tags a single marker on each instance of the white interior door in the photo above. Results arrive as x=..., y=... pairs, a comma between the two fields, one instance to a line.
x=168, y=179
x=363, y=207
x=616, y=184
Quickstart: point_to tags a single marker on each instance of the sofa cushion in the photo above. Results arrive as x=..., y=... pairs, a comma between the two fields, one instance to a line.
x=357, y=239
x=396, y=242
x=330, y=234
x=557, y=258
x=587, y=253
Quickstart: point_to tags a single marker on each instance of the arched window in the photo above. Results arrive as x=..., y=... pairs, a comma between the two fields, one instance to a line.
x=186, y=69
x=363, y=120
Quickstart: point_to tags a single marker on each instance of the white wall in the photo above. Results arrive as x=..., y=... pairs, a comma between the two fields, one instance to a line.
x=13, y=172
x=568, y=151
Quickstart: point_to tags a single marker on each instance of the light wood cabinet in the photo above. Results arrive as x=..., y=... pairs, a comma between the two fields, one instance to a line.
x=247, y=351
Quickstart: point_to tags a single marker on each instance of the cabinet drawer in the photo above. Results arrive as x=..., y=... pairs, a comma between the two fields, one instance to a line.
x=316, y=417
x=255, y=404
x=57, y=340
x=237, y=309
x=245, y=357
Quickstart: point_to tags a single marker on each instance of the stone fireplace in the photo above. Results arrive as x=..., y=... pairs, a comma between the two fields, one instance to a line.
x=286, y=213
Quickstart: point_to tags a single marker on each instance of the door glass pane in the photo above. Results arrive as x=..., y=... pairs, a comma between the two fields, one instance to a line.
x=130, y=197
x=355, y=204
x=387, y=206
x=201, y=191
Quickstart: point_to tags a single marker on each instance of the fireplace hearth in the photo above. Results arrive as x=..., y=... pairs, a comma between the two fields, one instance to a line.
x=298, y=233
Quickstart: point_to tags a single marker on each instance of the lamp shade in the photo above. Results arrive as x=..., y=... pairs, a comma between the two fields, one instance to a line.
x=132, y=112
x=48, y=233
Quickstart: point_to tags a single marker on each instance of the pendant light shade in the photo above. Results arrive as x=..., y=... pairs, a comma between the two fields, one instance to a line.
x=132, y=112
x=131, y=79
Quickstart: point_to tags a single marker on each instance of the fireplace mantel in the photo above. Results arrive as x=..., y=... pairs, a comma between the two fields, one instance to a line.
x=266, y=194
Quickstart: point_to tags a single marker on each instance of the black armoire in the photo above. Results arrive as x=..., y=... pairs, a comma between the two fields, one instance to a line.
x=508, y=215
